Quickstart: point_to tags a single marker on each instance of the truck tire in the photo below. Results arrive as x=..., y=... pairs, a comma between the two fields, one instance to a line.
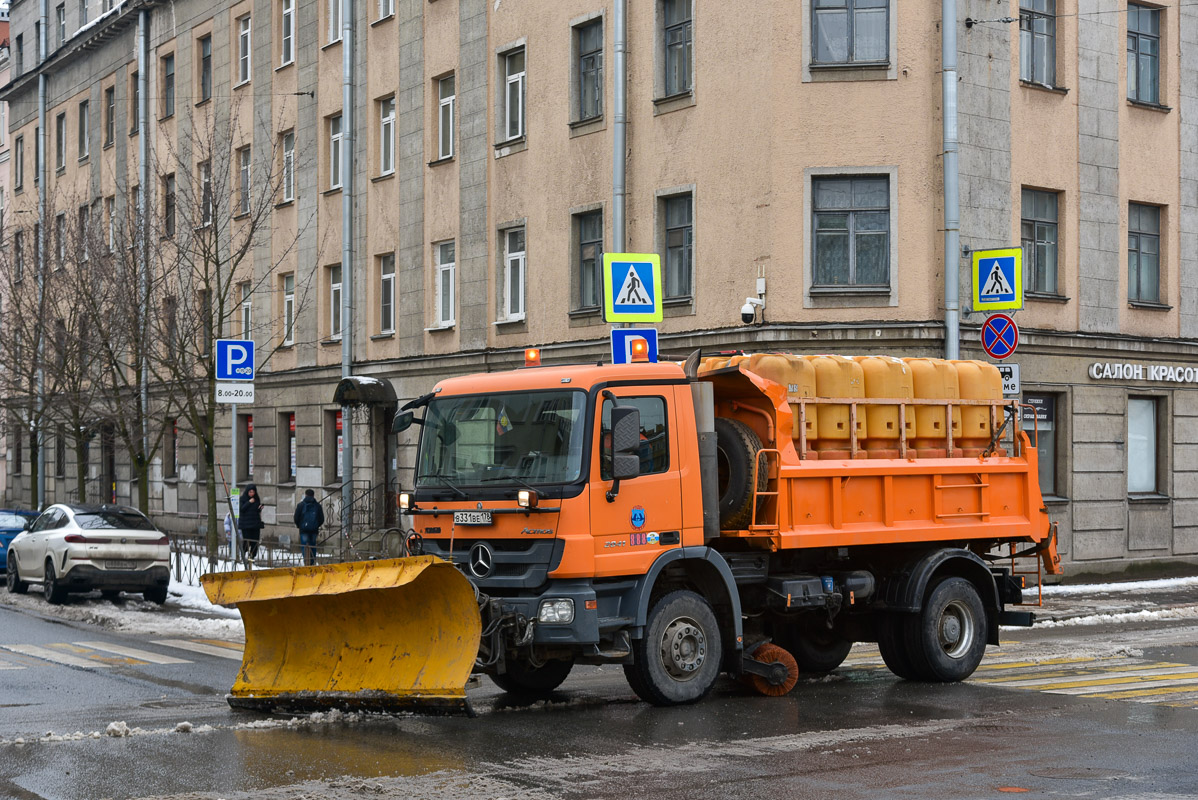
x=815, y=648
x=736, y=452
x=155, y=595
x=13, y=577
x=526, y=680
x=892, y=642
x=947, y=639
x=678, y=659
x=51, y=589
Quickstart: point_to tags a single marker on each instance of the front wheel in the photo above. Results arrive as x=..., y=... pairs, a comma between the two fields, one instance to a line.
x=948, y=639
x=51, y=589
x=678, y=659
x=524, y=679
x=155, y=595
x=814, y=647
x=13, y=577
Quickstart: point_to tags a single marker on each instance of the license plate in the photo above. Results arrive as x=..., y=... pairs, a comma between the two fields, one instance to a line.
x=121, y=564
x=472, y=518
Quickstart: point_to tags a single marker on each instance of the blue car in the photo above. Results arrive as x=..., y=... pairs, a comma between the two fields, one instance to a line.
x=12, y=522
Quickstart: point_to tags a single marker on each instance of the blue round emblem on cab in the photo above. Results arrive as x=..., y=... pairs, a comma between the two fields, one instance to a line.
x=638, y=517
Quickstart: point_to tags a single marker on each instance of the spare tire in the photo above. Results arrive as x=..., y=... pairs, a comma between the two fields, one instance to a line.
x=736, y=451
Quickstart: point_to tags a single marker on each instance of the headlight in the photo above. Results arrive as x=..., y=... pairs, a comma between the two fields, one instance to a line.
x=405, y=501
x=526, y=498
x=560, y=612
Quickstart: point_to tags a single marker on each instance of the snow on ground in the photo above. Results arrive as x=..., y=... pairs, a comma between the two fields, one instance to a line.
x=1182, y=612
x=1162, y=585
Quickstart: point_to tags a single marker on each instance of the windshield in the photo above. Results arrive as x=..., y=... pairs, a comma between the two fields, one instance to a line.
x=113, y=520
x=10, y=520
x=532, y=437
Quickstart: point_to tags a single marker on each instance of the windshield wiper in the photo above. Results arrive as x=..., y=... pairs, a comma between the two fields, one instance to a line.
x=445, y=482
x=514, y=478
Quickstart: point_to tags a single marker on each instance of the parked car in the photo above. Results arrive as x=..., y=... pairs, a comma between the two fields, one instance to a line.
x=78, y=548
x=12, y=522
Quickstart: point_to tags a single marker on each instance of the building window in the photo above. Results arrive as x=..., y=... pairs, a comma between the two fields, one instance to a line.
x=60, y=19
x=446, y=261
x=287, y=436
x=336, y=10
x=387, y=136
x=3, y=124
x=243, y=50
x=246, y=453
x=243, y=170
x=589, y=40
x=1038, y=42
x=1142, y=445
x=680, y=244
x=333, y=445
x=447, y=97
x=170, y=461
x=110, y=213
x=60, y=141
x=1144, y=253
x=37, y=154
x=206, y=198
x=514, y=274
x=60, y=241
x=850, y=31
x=1039, y=413
x=83, y=130
x=335, y=302
x=513, y=102
x=387, y=293
x=1039, y=239
x=386, y=8
x=134, y=104
x=289, y=309
x=82, y=12
x=19, y=56
x=205, y=68
x=109, y=115
x=678, y=36
x=287, y=32
x=18, y=255
x=289, y=166
x=1143, y=53
x=335, y=152
x=85, y=244
x=168, y=204
x=852, y=231
x=18, y=163
x=60, y=448
x=590, y=258
x=245, y=290
x=168, y=86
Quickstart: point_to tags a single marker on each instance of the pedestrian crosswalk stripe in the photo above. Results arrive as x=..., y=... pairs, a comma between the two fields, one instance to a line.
x=1101, y=678
x=1060, y=678
x=8, y=665
x=132, y=652
x=222, y=643
x=200, y=647
x=1101, y=686
x=55, y=656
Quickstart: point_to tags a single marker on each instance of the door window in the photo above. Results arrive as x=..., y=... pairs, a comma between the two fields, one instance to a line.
x=655, y=441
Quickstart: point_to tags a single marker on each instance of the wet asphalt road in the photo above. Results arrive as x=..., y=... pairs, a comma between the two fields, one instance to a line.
x=859, y=734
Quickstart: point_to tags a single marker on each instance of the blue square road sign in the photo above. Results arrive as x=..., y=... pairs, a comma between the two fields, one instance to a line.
x=234, y=359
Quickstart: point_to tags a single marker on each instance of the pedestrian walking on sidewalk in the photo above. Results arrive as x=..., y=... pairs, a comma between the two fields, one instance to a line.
x=309, y=516
x=249, y=522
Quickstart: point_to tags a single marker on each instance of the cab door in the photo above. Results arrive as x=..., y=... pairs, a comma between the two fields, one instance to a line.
x=645, y=515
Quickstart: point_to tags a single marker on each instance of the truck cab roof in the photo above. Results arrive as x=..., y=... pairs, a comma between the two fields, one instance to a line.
x=577, y=376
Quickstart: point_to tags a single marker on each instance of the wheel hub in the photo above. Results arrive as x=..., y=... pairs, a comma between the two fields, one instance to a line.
x=956, y=629
x=683, y=648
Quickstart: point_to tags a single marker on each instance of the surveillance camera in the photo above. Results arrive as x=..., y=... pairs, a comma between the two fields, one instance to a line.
x=748, y=313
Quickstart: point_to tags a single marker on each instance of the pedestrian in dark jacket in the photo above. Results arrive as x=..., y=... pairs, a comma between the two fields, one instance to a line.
x=249, y=522
x=309, y=516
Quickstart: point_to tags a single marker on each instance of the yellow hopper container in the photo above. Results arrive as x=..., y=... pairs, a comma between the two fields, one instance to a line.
x=798, y=376
x=886, y=377
x=380, y=635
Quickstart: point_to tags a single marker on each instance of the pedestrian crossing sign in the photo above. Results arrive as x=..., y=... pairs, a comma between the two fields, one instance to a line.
x=998, y=279
x=631, y=287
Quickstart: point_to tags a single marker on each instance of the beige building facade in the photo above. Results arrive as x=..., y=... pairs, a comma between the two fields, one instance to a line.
x=795, y=142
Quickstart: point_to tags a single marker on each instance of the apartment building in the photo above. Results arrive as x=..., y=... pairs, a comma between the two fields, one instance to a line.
x=796, y=142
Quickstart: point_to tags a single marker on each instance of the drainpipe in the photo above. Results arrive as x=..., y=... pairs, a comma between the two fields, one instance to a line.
x=952, y=199
x=143, y=171
x=620, y=131
x=347, y=251
x=42, y=80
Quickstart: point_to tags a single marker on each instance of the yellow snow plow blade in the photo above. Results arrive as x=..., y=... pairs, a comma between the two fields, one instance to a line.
x=380, y=635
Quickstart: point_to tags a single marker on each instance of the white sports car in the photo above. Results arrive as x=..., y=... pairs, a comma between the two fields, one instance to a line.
x=78, y=548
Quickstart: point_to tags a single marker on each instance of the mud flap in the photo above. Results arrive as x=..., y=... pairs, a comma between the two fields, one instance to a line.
x=400, y=634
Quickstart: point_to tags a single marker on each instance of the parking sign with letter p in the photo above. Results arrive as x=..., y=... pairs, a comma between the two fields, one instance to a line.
x=234, y=359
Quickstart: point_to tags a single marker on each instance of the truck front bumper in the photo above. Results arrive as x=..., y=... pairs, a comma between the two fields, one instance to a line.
x=581, y=629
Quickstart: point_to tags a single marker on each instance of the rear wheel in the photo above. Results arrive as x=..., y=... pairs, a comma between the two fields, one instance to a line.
x=111, y=595
x=51, y=589
x=892, y=642
x=678, y=659
x=523, y=678
x=155, y=595
x=814, y=647
x=13, y=577
x=947, y=640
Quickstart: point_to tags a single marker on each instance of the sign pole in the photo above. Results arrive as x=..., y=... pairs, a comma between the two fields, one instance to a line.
x=236, y=554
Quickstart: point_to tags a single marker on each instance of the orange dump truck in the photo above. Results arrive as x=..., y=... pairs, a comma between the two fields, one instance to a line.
x=748, y=514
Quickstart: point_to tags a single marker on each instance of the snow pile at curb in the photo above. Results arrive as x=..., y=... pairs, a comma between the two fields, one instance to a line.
x=1183, y=612
x=1162, y=585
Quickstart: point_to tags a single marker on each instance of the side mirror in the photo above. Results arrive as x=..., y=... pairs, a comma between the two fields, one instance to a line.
x=28, y=524
x=403, y=420
x=625, y=444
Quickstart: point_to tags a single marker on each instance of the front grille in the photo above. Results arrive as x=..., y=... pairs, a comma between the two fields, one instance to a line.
x=517, y=563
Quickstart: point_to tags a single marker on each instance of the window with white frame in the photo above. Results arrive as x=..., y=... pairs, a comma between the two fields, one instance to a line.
x=589, y=44
x=446, y=94
x=3, y=123
x=513, y=98
x=60, y=141
x=134, y=103
x=243, y=50
x=514, y=274
x=289, y=166
x=386, y=8
x=1142, y=442
x=850, y=31
x=680, y=245
x=335, y=152
x=336, y=10
x=206, y=198
x=60, y=23
x=590, y=258
x=243, y=171
x=1038, y=41
x=676, y=18
x=387, y=293
x=110, y=213
x=84, y=233
x=247, y=309
x=286, y=32
x=335, y=302
x=18, y=163
x=205, y=46
x=852, y=231
x=82, y=130
x=289, y=309
x=82, y=12
x=387, y=135
x=109, y=115
x=446, y=261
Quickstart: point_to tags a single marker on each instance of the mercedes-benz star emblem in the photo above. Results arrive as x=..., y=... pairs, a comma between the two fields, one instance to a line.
x=481, y=560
